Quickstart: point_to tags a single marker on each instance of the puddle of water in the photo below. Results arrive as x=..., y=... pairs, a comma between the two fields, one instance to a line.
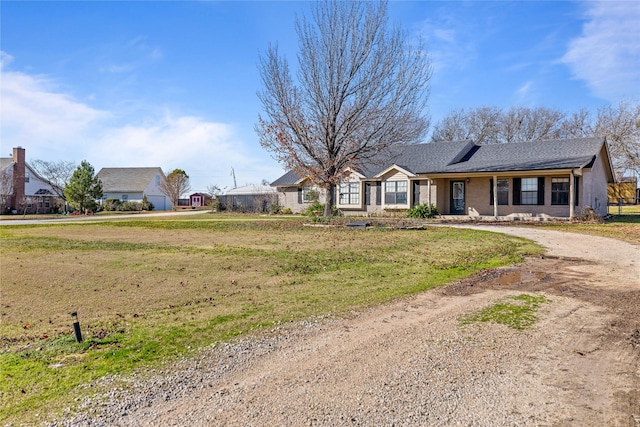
x=518, y=277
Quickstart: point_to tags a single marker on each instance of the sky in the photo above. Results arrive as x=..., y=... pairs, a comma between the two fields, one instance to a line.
x=174, y=83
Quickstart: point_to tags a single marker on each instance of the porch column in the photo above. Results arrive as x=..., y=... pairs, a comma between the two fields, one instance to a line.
x=572, y=195
x=495, y=196
x=429, y=194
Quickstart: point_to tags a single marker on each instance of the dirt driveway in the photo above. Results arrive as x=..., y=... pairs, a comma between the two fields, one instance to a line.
x=412, y=363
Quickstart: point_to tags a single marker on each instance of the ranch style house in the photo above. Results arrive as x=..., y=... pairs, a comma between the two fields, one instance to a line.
x=528, y=180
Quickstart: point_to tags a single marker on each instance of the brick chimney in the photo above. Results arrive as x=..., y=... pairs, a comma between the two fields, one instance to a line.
x=18, y=177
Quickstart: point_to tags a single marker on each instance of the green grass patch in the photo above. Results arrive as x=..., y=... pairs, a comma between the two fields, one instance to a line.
x=516, y=312
x=148, y=292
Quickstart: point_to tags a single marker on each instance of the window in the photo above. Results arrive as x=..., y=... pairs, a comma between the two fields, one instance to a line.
x=559, y=191
x=529, y=191
x=349, y=193
x=27, y=177
x=395, y=192
x=157, y=179
x=47, y=204
x=309, y=194
x=503, y=192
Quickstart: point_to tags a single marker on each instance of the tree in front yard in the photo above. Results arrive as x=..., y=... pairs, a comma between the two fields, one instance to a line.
x=84, y=188
x=56, y=174
x=361, y=87
x=174, y=185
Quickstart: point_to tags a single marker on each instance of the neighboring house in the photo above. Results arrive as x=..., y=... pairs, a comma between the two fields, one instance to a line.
x=197, y=200
x=250, y=198
x=555, y=178
x=624, y=191
x=132, y=184
x=22, y=189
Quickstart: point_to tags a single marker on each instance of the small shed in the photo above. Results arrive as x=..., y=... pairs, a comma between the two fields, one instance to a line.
x=197, y=200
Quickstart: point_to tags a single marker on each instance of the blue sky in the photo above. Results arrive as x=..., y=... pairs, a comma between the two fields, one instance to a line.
x=173, y=83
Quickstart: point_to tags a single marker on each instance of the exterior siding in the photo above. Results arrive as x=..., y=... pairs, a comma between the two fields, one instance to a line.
x=595, y=187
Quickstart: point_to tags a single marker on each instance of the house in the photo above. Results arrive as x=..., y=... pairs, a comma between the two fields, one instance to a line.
x=133, y=184
x=197, y=200
x=22, y=189
x=537, y=179
x=250, y=198
x=624, y=192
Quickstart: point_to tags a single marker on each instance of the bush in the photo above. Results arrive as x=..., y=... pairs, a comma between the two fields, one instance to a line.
x=130, y=206
x=286, y=211
x=422, y=211
x=275, y=208
x=315, y=209
x=111, y=204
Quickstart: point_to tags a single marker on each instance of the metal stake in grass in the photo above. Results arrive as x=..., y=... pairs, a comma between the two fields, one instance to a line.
x=76, y=326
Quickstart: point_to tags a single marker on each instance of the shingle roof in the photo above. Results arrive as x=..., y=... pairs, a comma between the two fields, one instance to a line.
x=534, y=155
x=465, y=156
x=127, y=180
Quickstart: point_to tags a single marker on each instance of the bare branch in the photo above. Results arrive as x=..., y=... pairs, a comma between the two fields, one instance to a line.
x=361, y=87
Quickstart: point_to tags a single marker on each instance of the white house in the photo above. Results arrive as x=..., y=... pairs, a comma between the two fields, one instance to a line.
x=132, y=184
x=22, y=189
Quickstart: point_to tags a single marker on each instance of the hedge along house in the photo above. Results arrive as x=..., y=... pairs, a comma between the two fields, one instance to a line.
x=537, y=179
x=132, y=184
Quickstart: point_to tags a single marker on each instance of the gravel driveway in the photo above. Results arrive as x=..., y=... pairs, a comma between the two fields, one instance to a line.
x=412, y=363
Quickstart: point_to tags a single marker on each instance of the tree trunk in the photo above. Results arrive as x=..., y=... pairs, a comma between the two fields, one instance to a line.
x=329, y=202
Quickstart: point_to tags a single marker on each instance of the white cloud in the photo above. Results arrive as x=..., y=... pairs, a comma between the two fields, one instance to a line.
x=52, y=125
x=523, y=91
x=607, y=53
x=32, y=110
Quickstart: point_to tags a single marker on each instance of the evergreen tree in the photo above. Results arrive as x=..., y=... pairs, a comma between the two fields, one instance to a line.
x=84, y=188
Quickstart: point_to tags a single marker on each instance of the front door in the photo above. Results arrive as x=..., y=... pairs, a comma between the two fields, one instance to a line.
x=457, y=197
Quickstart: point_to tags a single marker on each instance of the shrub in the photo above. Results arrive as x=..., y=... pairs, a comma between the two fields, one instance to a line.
x=275, y=208
x=315, y=209
x=111, y=204
x=422, y=211
x=129, y=206
x=286, y=211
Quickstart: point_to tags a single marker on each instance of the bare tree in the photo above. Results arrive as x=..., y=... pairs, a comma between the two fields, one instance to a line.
x=454, y=127
x=520, y=124
x=6, y=188
x=483, y=124
x=213, y=191
x=621, y=127
x=56, y=174
x=578, y=125
x=174, y=185
x=488, y=125
x=361, y=87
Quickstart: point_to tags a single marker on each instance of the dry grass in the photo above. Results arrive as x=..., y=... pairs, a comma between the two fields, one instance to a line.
x=149, y=290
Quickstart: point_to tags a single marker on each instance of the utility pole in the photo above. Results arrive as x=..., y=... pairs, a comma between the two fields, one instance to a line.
x=233, y=174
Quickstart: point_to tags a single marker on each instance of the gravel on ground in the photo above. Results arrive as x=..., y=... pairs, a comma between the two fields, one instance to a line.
x=413, y=363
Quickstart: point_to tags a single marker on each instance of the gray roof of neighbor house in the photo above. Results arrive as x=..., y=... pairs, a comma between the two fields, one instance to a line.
x=465, y=156
x=127, y=180
x=251, y=190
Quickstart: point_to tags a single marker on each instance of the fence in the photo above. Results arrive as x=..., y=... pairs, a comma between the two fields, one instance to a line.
x=256, y=203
